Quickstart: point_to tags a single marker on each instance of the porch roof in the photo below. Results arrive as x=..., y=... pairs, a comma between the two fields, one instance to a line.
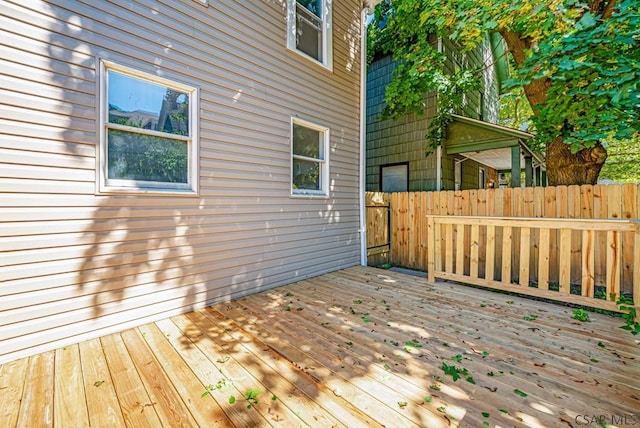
x=488, y=143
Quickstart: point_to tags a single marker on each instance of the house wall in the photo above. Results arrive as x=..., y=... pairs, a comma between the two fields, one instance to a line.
x=390, y=141
x=470, y=173
x=77, y=265
x=403, y=141
x=481, y=104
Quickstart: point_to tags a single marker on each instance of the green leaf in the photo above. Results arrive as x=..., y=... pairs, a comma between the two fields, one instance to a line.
x=232, y=399
x=520, y=393
x=588, y=20
x=252, y=393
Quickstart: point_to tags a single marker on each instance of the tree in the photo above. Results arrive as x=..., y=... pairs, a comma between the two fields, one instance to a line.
x=578, y=64
x=623, y=161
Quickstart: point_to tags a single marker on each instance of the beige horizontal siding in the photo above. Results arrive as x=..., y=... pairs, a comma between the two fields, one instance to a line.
x=74, y=264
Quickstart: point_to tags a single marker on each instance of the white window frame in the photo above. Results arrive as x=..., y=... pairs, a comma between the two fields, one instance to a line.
x=323, y=163
x=111, y=186
x=327, y=38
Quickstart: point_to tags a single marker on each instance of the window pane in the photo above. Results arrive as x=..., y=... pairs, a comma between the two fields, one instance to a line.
x=141, y=104
x=146, y=158
x=307, y=142
x=306, y=175
x=309, y=34
x=313, y=6
x=394, y=178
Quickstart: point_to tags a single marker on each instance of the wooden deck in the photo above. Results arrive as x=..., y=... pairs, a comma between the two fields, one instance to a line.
x=353, y=348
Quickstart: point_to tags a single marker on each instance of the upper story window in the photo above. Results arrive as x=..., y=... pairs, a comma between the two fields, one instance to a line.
x=309, y=29
x=309, y=158
x=148, y=135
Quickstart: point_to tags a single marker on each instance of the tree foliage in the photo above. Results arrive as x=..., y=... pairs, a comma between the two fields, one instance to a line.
x=577, y=62
x=623, y=161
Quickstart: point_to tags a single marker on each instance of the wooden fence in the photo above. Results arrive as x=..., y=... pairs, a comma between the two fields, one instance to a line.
x=404, y=228
x=450, y=238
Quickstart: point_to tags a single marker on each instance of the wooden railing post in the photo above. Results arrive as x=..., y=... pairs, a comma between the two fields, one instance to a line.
x=431, y=242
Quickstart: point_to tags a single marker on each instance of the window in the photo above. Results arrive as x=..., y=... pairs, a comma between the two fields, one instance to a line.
x=309, y=29
x=457, y=174
x=148, y=133
x=482, y=178
x=395, y=178
x=309, y=158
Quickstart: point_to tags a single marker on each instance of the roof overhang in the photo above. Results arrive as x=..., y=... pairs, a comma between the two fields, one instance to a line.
x=487, y=143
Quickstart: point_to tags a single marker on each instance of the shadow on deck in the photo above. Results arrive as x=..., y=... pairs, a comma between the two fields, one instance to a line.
x=357, y=347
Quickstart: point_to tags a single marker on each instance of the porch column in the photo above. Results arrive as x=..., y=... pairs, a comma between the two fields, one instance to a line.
x=515, y=166
x=528, y=171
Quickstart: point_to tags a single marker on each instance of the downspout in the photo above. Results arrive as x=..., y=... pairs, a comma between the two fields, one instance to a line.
x=363, y=129
x=439, y=148
x=438, y=168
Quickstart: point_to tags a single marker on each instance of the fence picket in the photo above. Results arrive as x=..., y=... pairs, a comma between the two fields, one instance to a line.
x=589, y=252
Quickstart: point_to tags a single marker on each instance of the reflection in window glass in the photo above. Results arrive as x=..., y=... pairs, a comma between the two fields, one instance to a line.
x=146, y=158
x=307, y=142
x=313, y=6
x=306, y=175
x=395, y=178
x=141, y=104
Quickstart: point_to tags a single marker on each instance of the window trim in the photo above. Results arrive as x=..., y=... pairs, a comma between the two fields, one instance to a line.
x=327, y=36
x=324, y=163
x=116, y=186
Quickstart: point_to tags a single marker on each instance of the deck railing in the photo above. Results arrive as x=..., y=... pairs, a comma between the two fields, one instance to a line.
x=464, y=250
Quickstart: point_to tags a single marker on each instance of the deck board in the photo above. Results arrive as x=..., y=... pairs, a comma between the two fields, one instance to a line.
x=69, y=399
x=356, y=347
x=102, y=401
x=12, y=381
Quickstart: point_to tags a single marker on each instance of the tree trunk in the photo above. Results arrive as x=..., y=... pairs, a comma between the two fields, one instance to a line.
x=565, y=168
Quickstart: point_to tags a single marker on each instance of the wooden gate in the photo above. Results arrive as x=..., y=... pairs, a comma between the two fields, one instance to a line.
x=378, y=236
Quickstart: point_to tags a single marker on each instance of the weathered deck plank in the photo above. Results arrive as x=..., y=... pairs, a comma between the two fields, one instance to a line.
x=37, y=396
x=102, y=401
x=12, y=381
x=137, y=407
x=357, y=347
x=69, y=399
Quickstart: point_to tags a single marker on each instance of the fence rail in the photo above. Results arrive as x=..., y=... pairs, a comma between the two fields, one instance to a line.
x=405, y=226
x=450, y=238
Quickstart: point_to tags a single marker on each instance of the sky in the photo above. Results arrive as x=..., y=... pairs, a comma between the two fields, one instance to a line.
x=130, y=94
